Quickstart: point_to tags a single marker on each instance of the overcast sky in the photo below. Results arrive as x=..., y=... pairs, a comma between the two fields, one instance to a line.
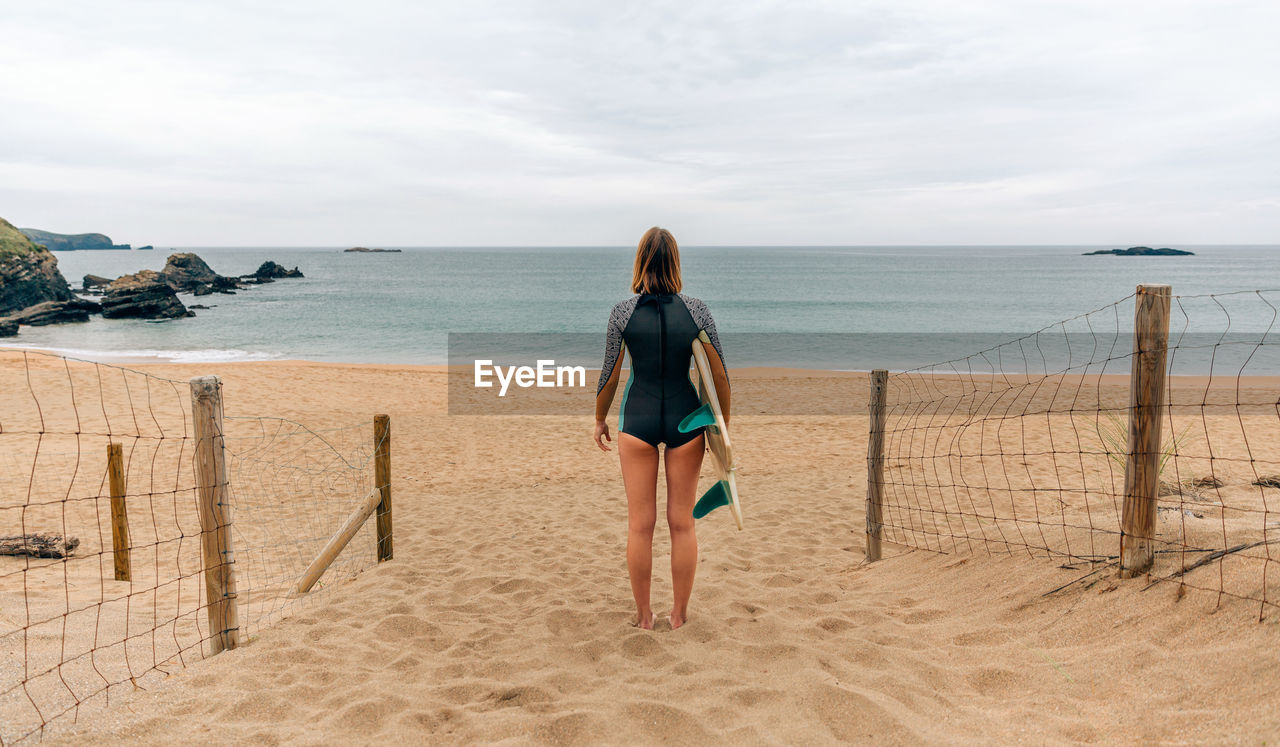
x=732, y=122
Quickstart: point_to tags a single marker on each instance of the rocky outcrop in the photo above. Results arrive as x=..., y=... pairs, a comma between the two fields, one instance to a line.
x=1143, y=251
x=272, y=270
x=28, y=273
x=56, y=312
x=8, y=328
x=185, y=271
x=64, y=242
x=142, y=295
x=94, y=282
x=372, y=251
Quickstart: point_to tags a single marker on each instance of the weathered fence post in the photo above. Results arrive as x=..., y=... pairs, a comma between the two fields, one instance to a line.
x=215, y=513
x=382, y=481
x=119, y=513
x=875, y=463
x=1146, y=402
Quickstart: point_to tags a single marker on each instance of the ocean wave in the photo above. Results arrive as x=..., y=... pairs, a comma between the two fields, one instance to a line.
x=156, y=356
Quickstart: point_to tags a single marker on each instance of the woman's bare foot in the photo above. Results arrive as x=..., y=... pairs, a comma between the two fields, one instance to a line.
x=677, y=619
x=644, y=624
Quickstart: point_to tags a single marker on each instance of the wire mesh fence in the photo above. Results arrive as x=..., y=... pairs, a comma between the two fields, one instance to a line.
x=291, y=487
x=75, y=624
x=1023, y=447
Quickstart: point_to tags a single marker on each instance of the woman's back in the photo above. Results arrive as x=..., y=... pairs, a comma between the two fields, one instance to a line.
x=658, y=330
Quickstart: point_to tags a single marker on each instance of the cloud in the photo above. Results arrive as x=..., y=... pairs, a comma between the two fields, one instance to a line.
x=583, y=123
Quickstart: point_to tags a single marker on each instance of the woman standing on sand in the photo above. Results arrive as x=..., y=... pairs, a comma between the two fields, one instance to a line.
x=657, y=328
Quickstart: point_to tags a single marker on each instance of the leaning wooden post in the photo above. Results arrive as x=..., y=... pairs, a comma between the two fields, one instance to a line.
x=119, y=515
x=382, y=481
x=1146, y=402
x=335, y=545
x=875, y=464
x=215, y=513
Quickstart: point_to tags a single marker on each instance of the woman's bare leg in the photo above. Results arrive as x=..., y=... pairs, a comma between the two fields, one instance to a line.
x=683, y=464
x=640, y=478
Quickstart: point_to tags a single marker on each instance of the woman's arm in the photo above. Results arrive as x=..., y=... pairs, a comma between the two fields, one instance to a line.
x=719, y=377
x=610, y=372
x=608, y=387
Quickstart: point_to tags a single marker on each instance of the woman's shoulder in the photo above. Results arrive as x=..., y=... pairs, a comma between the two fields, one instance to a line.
x=699, y=311
x=622, y=310
x=626, y=304
x=693, y=303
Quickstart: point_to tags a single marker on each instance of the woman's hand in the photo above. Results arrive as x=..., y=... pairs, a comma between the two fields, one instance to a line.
x=602, y=429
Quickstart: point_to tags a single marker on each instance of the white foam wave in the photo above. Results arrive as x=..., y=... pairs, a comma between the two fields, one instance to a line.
x=157, y=356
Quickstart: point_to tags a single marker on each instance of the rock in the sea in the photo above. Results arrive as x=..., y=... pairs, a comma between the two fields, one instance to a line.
x=1143, y=251
x=95, y=282
x=28, y=273
x=272, y=270
x=142, y=295
x=56, y=312
x=372, y=251
x=185, y=271
x=64, y=242
x=8, y=328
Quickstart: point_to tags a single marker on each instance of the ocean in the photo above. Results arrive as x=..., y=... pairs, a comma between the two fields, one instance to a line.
x=400, y=308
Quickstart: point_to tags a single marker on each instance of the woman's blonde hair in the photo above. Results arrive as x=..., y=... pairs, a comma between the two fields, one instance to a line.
x=657, y=267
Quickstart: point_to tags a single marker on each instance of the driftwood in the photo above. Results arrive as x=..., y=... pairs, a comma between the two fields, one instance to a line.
x=39, y=545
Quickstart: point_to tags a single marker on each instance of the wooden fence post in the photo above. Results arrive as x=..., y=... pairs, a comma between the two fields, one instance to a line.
x=335, y=545
x=382, y=481
x=215, y=513
x=119, y=513
x=1146, y=402
x=875, y=463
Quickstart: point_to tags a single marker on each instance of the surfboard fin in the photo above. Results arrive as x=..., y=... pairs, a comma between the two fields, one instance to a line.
x=715, y=497
x=698, y=418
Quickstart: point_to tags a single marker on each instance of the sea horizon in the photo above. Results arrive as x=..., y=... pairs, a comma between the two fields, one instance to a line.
x=400, y=307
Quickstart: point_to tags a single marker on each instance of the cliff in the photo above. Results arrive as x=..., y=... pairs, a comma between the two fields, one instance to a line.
x=61, y=242
x=28, y=273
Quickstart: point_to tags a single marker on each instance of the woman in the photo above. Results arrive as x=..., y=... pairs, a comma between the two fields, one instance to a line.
x=657, y=328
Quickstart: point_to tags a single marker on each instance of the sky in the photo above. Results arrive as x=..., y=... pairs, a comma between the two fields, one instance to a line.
x=584, y=123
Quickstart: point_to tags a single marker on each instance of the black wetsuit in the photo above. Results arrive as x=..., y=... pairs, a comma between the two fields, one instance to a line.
x=658, y=331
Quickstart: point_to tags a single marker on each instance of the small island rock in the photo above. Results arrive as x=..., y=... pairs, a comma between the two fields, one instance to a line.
x=1142, y=251
x=372, y=251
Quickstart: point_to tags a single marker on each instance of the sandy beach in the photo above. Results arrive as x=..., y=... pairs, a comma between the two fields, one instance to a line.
x=504, y=614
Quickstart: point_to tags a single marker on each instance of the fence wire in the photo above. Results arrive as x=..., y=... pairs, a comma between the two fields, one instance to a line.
x=69, y=631
x=1021, y=448
x=291, y=489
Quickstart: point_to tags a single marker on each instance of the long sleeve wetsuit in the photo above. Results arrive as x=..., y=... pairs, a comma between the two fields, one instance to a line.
x=658, y=330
